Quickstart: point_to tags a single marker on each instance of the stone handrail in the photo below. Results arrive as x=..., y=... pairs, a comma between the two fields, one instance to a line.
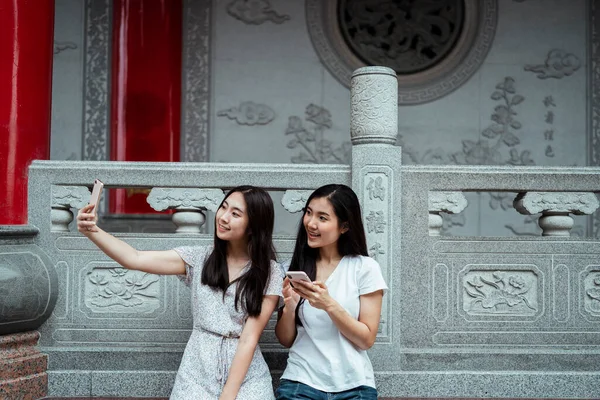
x=187, y=188
x=555, y=192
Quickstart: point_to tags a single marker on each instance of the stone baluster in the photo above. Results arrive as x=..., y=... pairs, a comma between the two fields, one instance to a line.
x=294, y=200
x=376, y=164
x=448, y=202
x=556, y=208
x=189, y=205
x=63, y=199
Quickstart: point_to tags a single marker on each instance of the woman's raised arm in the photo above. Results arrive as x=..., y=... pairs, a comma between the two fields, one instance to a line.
x=165, y=262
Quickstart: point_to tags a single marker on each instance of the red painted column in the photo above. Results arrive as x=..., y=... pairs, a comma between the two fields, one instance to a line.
x=26, y=50
x=146, y=88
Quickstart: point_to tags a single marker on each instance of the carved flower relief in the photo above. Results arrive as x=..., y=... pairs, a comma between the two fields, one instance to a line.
x=315, y=148
x=593, y=294
x=318, y=115
x=500, y=293
x=120, y=287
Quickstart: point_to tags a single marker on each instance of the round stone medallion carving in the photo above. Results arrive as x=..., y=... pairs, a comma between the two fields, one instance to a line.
x=434, y=46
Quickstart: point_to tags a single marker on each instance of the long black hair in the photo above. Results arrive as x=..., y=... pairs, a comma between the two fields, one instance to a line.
x=251, y=285
x=347, y=210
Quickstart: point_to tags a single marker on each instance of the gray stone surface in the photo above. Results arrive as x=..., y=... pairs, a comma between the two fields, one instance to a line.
x=471, y=384
x=75, y=383
x=138, y=383
x=28, y=281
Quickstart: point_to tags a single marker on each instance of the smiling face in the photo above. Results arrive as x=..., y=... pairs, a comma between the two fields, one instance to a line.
x=321, y=224
x=231, y=221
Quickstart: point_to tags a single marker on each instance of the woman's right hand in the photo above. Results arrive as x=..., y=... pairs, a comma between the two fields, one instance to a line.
x=86, y=220
x=290, y=298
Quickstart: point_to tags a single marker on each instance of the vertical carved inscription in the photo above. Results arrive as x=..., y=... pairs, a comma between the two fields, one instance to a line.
x=376, y=205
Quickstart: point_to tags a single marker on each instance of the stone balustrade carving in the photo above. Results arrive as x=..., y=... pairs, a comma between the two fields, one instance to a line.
x=188, y=204
x=448, y=202
x=63, y=199
x=294, y=200
x=556, y=208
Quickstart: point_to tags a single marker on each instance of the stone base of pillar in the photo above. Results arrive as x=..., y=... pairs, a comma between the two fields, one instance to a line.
x=22, y=367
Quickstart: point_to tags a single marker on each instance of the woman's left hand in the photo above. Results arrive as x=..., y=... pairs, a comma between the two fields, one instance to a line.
x=315, y=293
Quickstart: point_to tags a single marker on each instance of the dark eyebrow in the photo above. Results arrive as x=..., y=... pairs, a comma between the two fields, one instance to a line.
x=235, y=208
x=320, y=212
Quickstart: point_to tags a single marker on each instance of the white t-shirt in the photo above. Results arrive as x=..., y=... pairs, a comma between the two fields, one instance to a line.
x=321, y=356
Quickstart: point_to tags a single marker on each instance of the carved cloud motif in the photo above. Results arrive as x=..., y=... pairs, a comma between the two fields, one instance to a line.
x=255, y=12
x=249, y=113
x=558, y=64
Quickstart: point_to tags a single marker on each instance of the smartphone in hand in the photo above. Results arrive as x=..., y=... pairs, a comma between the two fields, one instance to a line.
x=96, y=193
x=296, y=276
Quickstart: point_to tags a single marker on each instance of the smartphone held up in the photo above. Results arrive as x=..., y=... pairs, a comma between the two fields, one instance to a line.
x=96, y=193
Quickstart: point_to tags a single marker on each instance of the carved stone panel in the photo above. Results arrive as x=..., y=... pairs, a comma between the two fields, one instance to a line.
x=110, y=291
x=500, y=292
x=590, y=285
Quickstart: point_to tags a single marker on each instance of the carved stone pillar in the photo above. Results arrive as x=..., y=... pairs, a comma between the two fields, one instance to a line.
x=374, y=106
x=188, y=203
x=448, y=202
x=376, y=164
x=556, y=208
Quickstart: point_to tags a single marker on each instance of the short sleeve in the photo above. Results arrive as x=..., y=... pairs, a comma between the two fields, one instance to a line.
x=194, y=258
x=370, y=279
x=275, y=284
x=285, y=265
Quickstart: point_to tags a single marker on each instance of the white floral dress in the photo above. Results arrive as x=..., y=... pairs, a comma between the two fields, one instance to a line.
x=216, y=330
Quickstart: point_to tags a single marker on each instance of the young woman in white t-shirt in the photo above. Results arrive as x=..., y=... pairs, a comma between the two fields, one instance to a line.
x=330, y=323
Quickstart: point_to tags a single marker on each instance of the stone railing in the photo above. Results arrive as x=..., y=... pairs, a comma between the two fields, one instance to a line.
x=464, y=316
x=495, y=313
x=108, y=316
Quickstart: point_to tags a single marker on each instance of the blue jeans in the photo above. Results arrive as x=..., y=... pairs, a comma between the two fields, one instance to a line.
x=292, y=390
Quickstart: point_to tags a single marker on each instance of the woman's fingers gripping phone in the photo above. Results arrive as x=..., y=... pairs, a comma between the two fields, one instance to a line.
x=86, y=220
